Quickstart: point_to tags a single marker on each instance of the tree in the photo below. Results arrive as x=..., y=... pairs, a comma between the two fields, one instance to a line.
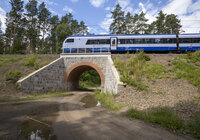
x=160, y=23
x=141, y=23
x=53, y=38
x=14, y=23
x=83, y=29
x=172, y=24
x=62, y=31
x=117, y=26
x=32, y=33
x=1, y=40
x=129, y=23
x=43, y=19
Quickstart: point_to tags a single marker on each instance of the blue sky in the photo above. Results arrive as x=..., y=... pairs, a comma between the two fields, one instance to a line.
x=97, y=13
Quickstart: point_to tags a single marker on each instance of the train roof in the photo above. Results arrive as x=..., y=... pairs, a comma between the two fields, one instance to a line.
x=182, y=35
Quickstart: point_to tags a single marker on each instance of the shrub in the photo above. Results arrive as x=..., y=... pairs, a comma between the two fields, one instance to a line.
x=30, y=61
x=13, y=76
x=162, y=116
x=187, y=71
x=155, y=71
x=193, y=126
x=107, y=100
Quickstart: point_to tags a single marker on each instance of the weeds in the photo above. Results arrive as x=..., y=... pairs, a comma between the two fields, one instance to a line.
x=163, y=116
x=187, y=71
x=30, y=61
x=12, y=76
x=107, y=100
x=193, y=127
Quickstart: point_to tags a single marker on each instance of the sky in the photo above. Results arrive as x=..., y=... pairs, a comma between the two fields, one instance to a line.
x=97, y=13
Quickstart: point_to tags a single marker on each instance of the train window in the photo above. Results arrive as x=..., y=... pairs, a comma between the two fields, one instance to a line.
x=69, y=41
x=195, y=40
x=185, y=40
x=157, y=40
x=149, y=41
x=100, y=41
x=122, y=41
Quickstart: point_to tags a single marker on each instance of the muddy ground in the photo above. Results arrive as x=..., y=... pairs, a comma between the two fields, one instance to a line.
x=66, y=117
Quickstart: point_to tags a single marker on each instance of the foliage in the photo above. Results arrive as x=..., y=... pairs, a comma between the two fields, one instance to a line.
x=155, y=71
x=89, y=79
x=12, y=76
x=117, y=26
x=107, y=100
x=194, y=57
x=30, y=60
x=162, y=116
x=187, y=71
x=193, y=126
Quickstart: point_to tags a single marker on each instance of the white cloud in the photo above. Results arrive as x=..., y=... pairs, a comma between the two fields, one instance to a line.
x=177, y=7
x=188, y=12
x=108, y=8
x=48, y=2
x=105, y=24
x=74, y=1
x=68, y=9
x=97, y=3
x=126, y=5
x=3, y=19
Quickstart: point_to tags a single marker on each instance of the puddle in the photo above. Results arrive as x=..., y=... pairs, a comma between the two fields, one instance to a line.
x=32, y=130
x=90, y=101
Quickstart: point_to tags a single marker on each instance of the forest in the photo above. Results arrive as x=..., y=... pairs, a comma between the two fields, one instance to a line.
x=32, y=28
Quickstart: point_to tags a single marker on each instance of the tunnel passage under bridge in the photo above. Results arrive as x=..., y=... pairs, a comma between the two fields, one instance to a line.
x=74, y=72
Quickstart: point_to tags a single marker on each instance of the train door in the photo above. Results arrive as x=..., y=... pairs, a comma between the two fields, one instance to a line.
x=113, y=43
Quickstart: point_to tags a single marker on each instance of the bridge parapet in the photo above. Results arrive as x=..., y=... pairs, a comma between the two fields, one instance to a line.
x=63, y=74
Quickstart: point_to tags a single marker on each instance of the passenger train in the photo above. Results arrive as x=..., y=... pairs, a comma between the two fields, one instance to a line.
x=123, y=43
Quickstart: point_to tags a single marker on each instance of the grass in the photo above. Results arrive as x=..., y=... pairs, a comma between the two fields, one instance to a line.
x=136, y=68
x=33, y=96
x=34, y=61
x=12, y=76
x=9, y=59
x=167, y=118
x=187, y=71
x=163, y=116
x=107, y=100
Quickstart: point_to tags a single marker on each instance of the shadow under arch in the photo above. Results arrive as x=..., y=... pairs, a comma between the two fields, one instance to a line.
x=74, y=72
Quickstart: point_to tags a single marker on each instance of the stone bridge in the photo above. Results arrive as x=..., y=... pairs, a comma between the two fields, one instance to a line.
x=63, y=74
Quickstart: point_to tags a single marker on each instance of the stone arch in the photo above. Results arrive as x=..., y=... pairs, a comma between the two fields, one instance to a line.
x=74, y=72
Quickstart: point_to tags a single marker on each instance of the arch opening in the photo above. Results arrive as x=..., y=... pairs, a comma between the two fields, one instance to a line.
x=75, y=74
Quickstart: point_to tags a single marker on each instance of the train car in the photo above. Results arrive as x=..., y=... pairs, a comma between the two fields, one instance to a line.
x=123, y=43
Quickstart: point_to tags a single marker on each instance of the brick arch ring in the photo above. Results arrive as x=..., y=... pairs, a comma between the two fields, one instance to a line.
x=84, y=66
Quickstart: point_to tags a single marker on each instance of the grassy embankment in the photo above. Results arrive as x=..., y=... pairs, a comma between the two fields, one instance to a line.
x=18, y=66
x=138, y=68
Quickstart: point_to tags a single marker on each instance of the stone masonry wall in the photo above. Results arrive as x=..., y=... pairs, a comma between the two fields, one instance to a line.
x=51, y=77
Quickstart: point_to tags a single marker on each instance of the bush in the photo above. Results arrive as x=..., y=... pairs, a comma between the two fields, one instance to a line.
x=162, y=116
x=155, y=71
x=187, y=71
x=193, y=126
x=30, y=61
x=12, y=76
x=107, y=100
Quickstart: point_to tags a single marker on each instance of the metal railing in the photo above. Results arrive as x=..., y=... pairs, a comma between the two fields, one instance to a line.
x=85, y=50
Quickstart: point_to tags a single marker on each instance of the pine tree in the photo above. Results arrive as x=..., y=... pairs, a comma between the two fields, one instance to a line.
x=83, y=29
x=53, y=38
x=14, y=23
x=43, y=21
x=172, y=24
x=141, y=23
x=32, y=33
x=117, y=26
x=1, y=40
x=160, y=23
x=129, y=23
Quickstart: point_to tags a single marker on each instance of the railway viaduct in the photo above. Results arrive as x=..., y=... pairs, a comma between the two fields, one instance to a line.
x=63, y=74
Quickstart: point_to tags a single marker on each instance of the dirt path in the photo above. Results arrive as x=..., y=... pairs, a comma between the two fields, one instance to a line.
x=65, y=117
x=76, y=122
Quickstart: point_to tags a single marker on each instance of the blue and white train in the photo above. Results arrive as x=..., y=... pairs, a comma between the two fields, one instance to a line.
x=122, y=43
